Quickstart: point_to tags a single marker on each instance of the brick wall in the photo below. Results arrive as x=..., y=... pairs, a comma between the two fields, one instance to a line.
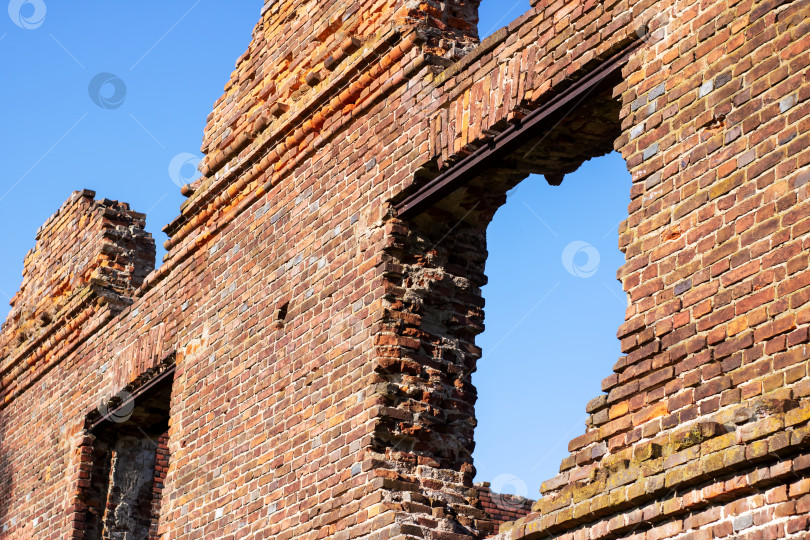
x=501, y=508
x=161, y=468
x=323, y=343
x=89, y=259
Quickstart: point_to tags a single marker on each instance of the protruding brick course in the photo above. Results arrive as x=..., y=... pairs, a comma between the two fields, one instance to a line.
x=88, y=254
x=322, y=332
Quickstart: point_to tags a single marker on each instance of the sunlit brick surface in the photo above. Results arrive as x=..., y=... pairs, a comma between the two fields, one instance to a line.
x=324, y=345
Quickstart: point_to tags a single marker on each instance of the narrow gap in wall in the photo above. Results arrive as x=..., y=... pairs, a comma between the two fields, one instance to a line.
x=281, y=314
x=553, y=305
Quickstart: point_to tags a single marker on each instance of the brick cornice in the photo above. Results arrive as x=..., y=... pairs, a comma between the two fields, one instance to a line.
x=378, y=70
x=81, y=319
x=266, y=140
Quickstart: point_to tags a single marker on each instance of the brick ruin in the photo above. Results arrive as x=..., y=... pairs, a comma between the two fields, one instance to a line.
x=299, y=365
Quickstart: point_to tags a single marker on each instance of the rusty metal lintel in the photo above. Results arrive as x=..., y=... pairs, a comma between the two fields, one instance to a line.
x=137, y=393
x=460, y=173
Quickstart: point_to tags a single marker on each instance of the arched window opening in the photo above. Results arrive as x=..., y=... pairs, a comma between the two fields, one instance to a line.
x=495, y=14
x=552, y=308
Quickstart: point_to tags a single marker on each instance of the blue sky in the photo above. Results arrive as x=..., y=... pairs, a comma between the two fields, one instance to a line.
x=551, y=314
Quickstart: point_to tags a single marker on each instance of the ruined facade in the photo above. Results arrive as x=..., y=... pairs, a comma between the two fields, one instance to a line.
x=299, y=365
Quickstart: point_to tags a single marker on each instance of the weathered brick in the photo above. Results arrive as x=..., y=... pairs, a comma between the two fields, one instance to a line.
x=324, y=333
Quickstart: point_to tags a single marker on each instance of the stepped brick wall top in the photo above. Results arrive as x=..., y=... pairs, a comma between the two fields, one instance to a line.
x=88, y=254
x=312, y=328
